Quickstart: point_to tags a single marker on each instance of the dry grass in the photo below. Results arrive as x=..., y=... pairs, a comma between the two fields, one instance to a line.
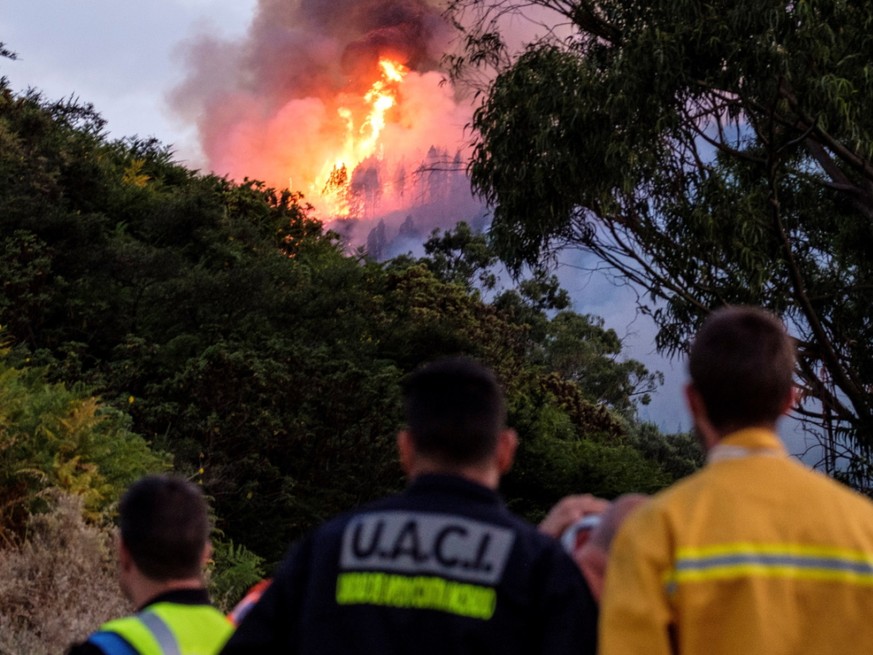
x=59, y=585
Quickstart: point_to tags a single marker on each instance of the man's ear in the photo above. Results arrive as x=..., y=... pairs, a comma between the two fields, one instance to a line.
x=692, y=400
x=792, y=401
x=125, y=559
x=406, y=451
x=507, y=443
x=706, y=433
x=207, y=554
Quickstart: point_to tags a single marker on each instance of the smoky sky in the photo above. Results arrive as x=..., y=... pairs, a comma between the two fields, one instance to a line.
x=306, y=49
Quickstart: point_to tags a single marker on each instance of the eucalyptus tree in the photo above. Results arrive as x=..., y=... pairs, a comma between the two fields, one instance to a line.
x=711, y=152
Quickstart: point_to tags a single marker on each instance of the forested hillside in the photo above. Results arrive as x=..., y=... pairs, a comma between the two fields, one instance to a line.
x=155, y=317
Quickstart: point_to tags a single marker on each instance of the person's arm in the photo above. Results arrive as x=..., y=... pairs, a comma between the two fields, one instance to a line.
x=635, y=612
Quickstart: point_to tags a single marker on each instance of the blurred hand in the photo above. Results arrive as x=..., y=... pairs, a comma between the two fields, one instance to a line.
x=570, y=509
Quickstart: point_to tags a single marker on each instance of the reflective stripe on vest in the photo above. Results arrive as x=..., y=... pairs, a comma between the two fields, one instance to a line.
x=161, y=632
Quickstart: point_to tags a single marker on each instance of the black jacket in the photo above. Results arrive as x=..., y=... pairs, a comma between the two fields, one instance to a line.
x=442, y=568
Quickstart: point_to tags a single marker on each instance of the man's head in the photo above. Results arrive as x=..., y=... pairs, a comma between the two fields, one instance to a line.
x=164, y=528
x=455, y=413
x=741, y=365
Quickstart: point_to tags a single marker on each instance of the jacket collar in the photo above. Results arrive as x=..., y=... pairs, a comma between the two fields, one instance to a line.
x=745, y=443
x=452, y=485
x=181, y=597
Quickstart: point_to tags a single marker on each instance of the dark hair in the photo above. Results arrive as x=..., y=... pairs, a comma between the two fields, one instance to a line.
x=165, y=526
x=742, y=364
x=454, y=410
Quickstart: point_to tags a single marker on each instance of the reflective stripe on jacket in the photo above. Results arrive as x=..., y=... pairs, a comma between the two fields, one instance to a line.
x=755, y=554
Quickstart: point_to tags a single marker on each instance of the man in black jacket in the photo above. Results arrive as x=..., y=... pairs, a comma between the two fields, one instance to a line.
x=443, y=567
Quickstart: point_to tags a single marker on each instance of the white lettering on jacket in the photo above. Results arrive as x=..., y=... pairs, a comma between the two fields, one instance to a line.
x=418, y=543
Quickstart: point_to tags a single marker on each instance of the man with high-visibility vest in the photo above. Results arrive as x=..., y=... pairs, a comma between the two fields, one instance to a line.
x=441, y=568
x=754, y=554
x=162, y=547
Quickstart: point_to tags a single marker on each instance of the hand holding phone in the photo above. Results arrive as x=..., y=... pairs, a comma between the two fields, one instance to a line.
x=575, y=536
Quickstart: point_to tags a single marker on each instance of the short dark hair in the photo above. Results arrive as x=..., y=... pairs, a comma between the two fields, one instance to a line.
x=742, y=365
x=454, y=410
x=164, y=525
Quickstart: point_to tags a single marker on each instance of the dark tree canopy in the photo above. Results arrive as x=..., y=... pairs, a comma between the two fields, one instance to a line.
x=712, y=153
x=224, y=327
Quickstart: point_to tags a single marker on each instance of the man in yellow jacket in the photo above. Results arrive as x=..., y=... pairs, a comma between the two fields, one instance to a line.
x=754, y=554
x=162, y=547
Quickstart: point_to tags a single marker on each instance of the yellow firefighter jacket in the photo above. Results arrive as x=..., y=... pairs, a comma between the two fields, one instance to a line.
x=753, y=555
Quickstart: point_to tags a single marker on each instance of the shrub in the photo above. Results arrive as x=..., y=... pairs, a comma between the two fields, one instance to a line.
x=59, y=584
x=233, y=572
x=54, y=435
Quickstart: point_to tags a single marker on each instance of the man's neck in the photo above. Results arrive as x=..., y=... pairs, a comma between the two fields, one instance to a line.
x=146, y=590
x=485, y=475
x=728, y=430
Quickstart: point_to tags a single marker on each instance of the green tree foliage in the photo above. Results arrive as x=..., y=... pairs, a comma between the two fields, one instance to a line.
x=235, y=570
x=579, y=348
x=712, y=153
x=238, y=335
x=568, y=443
x=677, y=454
x=576, y=346
x=462, y=256
x=58, y=437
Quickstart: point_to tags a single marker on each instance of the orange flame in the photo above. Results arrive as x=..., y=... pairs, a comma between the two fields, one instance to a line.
x=362, y=142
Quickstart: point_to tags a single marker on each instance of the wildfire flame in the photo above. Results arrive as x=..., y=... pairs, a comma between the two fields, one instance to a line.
x=303, y=101
x=361, y=137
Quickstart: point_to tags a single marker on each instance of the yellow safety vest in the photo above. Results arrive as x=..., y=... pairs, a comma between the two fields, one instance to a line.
x=170, y=629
